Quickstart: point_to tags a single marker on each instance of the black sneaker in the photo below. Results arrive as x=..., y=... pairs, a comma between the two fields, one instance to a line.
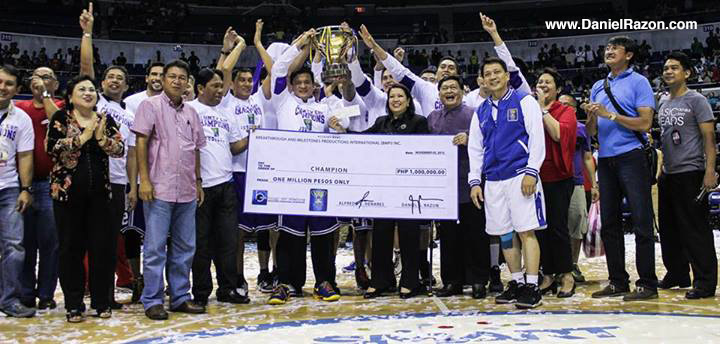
x=265, y=282
x=496, y=285
x=510, y=294
x=235, y=296
x=528, y=296
x=640, y=294
x=610, y=291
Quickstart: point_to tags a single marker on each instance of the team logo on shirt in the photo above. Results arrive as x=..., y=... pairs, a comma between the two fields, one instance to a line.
x=216, y=132
x=260, y=197
x=308, y=124
x=512, y=115
x=251, y=119
x=318, y=199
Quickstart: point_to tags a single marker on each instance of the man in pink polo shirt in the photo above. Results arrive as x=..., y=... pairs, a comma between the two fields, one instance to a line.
x=169, y=138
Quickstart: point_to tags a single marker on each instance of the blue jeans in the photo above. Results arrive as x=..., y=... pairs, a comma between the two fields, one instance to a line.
x=627, y=175
x=12, y=253
x=40, y=235
x=176, y=220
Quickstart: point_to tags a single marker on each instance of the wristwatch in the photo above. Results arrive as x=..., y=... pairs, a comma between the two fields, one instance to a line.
x=612, y=117
x=26, y=188
x=46, y=94
x=545, y=112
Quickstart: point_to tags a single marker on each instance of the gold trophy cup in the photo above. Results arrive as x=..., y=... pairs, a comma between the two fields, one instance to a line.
x=334, y=43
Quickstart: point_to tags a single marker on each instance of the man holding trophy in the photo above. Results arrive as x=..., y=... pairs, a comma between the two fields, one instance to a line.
x=297, y=110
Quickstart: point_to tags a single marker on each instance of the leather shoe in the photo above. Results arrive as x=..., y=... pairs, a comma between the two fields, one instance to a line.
x=156, y=312
x=415, y=292
x=189, y=307
x=479, y=291
x=695, y=293
x=449, y=290
x=668, y=283
x=373, y=294
x=47, y=304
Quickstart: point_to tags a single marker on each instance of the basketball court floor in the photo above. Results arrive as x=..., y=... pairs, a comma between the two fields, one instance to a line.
x=580, y=319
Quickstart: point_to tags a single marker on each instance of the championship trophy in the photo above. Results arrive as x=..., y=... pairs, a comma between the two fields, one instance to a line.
x=334, y=43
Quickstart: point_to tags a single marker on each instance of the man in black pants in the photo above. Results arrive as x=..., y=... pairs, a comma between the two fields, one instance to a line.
x=216, y=218
x=688, y=145
x=623, y=168
x=464, y=244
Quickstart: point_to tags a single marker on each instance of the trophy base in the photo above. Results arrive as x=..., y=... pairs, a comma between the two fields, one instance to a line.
x=333, y=71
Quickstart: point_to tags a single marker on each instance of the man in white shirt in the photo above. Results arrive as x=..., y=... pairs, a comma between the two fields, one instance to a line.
x=17, y=141
x=251, y=110
x=216, y=217
x=133, y=238
x=153, y=79
x=298, y=111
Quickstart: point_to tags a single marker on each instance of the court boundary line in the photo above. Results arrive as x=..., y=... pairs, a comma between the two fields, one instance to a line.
x=441, y=305
x=298, y=323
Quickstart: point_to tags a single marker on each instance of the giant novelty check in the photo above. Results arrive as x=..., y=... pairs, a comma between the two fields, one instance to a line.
x=352, y=175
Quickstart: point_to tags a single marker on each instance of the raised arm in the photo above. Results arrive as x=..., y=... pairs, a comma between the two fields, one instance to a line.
x=86, y=47
x=363, y=86
x=38, y=86
x=396, y=68
x=378, y=70
x=281, y=67
x=228, y=41
x=517, y=79
x=302, y=57
x=231, y=61
x=264, y=56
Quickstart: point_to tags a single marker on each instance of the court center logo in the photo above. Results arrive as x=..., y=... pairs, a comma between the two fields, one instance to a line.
x=318, y=199
x=260, y=197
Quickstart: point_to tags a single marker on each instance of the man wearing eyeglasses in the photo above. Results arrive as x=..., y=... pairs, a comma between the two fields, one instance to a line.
x=40, y=233
x=464, y=244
